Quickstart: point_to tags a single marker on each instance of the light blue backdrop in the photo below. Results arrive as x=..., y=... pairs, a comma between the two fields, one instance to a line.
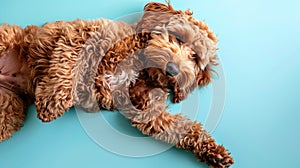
x=259, y=45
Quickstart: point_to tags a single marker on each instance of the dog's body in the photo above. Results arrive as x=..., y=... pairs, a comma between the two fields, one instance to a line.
x=114, y=65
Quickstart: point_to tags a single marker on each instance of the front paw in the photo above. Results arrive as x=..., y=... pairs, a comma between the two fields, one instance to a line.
x=47, y=116
x=49, y=111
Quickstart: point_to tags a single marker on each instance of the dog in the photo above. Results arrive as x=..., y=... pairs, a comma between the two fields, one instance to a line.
x=131, y=68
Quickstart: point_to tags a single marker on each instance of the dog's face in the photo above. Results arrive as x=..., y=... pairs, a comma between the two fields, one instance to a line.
x=181, y=49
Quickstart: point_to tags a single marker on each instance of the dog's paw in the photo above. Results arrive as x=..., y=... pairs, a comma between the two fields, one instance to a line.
x=49, y=109
x=47, y=115
x=219, y=157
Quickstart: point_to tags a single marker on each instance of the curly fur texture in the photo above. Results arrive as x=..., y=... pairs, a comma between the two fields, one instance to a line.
x=52, y=55
x=15, y=85
x=12, y=114
x=131, y=68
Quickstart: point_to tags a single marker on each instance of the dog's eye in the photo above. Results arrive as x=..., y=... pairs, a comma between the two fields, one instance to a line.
x=218, y=160
x=179, y=40
x=177, y=37
x=193, y=56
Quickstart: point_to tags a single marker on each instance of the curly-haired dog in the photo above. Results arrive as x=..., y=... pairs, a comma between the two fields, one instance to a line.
x=131, y=68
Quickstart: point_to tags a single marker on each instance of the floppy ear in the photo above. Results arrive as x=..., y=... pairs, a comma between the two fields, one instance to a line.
x=203, y=26
x=155, y=15
x=158, y=7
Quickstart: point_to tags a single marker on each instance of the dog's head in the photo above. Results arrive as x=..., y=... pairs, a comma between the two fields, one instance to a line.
x=181, y=49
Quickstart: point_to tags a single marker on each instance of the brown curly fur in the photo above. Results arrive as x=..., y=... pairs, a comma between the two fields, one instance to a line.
x=114, y=65
x=15, y=85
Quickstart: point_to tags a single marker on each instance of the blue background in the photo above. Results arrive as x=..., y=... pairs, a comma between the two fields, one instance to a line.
x=259, y=45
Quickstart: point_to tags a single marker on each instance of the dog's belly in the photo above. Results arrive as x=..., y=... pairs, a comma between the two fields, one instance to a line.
x=12, y=78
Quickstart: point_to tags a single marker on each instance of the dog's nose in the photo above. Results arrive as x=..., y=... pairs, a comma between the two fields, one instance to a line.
x=172, y=69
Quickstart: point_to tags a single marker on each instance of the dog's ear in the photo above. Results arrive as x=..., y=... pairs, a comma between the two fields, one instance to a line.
x=203, y=26
x=158, y=7
x=156, y=15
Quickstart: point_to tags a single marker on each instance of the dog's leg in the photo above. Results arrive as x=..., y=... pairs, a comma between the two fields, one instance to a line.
x=52, y=104
x=53, y=80
x=188, y=135
x=53, y=57
x=53, y=94
x=12, y=114
x=178, y=130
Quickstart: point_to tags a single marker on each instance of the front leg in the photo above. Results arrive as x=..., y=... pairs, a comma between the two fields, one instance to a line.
x=54, y=82
x=177, y=130
x=52, y=104
x=185, y=134
x=53, y=96
x=12, y=113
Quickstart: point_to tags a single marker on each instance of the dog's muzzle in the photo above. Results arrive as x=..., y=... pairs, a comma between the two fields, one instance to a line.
x=172, y=69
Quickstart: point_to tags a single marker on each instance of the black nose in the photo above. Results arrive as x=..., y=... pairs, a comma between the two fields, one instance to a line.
x=172, y=69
